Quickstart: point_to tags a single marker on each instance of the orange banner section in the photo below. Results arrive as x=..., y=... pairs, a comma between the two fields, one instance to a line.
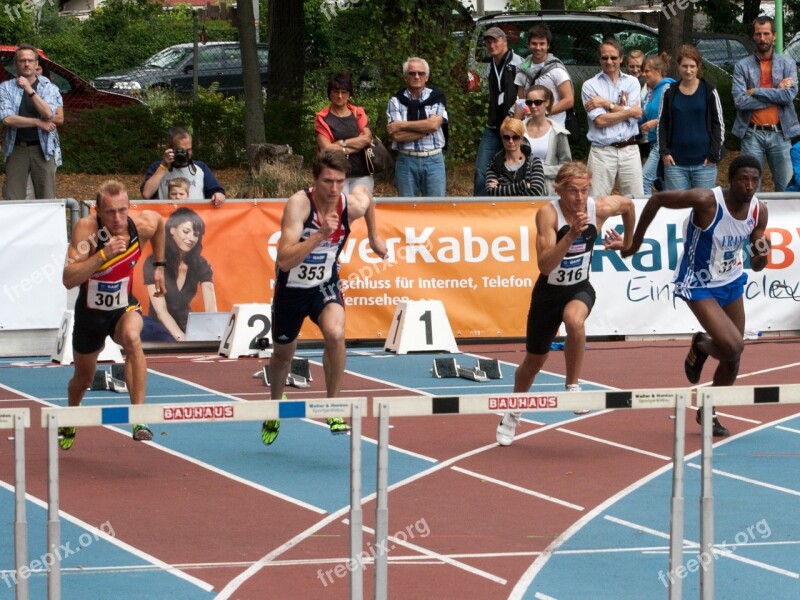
x=478, y=258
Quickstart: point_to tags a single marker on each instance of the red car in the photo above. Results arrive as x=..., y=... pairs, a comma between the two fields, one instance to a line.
x=77, y=93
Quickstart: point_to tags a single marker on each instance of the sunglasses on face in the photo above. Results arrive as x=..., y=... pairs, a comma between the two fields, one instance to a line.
x=416, y=73
x=609, y=58
x=511, y=138
x=537, y=102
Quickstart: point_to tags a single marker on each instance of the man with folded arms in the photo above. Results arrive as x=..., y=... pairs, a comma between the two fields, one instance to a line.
x=417, y=122
x=613, y=106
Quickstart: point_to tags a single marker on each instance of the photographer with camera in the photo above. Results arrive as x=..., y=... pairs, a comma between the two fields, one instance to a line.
x=178, y=162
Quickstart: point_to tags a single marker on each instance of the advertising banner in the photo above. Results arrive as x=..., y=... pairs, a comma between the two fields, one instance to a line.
x=479, y=259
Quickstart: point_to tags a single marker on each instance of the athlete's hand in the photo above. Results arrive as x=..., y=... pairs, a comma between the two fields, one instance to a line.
x=115, y=246
x=329, y=225
x=158, y=281
x=579, y=224
x=612, y=240
x=626, y=252
x=378, y=246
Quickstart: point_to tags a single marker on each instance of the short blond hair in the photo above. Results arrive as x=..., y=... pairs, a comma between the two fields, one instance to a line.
x=512, y=125
x=110, y=188
x=571, y=170
x=178, y=182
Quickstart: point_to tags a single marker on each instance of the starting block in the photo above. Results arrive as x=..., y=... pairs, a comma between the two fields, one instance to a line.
x=485, y=369
x=111, y=379
x=420, y=326
x=62, y=353
x=299, y=374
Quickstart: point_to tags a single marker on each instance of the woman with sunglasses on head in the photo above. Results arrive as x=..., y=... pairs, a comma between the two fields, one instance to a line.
x=343, y=126
x=514, y=171
x=548, y=140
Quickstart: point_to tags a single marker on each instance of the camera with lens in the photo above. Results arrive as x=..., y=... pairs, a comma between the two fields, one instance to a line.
x=180, y=158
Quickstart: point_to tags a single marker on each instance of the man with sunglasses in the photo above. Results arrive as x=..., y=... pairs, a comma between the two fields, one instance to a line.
x=613, y=106
x=417, y=126
x=503, y=68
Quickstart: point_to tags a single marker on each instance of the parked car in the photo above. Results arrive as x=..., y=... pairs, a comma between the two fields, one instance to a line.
x=723, y=49
x=172, y=68
x=576, y=39
x=76, y=92
x=793, y=48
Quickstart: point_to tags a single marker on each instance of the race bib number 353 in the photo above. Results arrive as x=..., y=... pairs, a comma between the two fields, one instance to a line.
x=316, y=269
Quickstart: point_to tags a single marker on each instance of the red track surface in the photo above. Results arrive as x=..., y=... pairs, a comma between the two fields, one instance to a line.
x=189, y=516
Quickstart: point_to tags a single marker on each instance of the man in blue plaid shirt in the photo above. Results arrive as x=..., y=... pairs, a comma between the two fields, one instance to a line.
x=418, y=129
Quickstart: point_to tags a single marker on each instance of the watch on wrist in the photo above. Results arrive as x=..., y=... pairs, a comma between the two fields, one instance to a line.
x=159, y=263
x=32, y=94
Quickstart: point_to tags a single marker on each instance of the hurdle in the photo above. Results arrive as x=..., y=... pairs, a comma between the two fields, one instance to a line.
x=477, y=404
x=222, y=412
x=707, y=399
x=18, y=419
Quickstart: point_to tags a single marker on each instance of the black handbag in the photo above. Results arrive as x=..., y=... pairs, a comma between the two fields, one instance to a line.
x=377, y=157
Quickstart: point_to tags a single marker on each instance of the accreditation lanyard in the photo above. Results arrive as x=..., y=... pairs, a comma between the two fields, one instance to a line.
x=499, y=74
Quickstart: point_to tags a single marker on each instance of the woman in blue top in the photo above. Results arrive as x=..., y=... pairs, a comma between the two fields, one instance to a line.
x=655, y=71
x=690, y=127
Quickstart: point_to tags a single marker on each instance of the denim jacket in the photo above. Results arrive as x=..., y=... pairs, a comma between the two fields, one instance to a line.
x=746, y=75
x=10, y=99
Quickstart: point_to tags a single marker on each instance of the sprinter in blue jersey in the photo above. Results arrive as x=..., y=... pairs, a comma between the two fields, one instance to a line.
x=710, y=277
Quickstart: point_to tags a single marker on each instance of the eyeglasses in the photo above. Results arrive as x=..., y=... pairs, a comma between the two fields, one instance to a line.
x=416, y=73
x=511, y=138
x=537, y=102
x=347, y=92
x=609, y=58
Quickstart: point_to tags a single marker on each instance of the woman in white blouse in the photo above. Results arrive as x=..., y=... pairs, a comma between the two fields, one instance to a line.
x=548, y=140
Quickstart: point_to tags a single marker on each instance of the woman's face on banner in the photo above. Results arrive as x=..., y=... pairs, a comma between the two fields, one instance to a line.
x=184, y=236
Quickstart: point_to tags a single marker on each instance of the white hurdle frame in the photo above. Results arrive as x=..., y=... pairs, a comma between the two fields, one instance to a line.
x=707, y=399
x=208, y=412
x=18, y=419
x=478, y=404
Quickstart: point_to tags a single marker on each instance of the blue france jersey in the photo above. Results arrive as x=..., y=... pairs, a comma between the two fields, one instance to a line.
x=712, y=257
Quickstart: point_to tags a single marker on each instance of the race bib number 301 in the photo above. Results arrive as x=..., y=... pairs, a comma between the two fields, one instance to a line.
x=107, y=295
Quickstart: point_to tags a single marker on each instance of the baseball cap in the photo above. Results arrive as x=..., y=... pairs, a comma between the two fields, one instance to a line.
x=494, y=32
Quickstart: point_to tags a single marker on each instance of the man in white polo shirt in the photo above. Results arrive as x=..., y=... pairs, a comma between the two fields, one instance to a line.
x=613, y=106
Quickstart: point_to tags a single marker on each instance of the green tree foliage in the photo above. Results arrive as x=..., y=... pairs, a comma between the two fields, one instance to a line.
x=16, y=22
x=121, y=34
x=564, y=5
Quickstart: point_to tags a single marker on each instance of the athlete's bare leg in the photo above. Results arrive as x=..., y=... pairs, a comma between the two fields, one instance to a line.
x=575, y=314
x=331, y=323
x=128, y=334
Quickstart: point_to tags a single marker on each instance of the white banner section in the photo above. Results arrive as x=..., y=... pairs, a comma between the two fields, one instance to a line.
x=635, y=296
x=33, y=244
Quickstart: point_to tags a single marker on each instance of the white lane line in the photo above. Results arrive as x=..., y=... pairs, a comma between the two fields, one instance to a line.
x=442, y=557
x=100, y=534
x=614, y=444
x=517, y=488
x=789, y=429
x=764, y=484
x=762, y=371
x=718, y=550
x=193, y=460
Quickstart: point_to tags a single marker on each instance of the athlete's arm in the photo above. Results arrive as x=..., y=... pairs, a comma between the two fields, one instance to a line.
x=359, y=203
x=702, y=202
x=549, y=252
x=615, y=206
x=81, y=262
x=759, y=242
x=150, y=226
x=292, y=251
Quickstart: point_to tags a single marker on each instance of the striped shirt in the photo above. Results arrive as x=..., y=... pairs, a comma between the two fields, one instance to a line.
x=398, y=112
